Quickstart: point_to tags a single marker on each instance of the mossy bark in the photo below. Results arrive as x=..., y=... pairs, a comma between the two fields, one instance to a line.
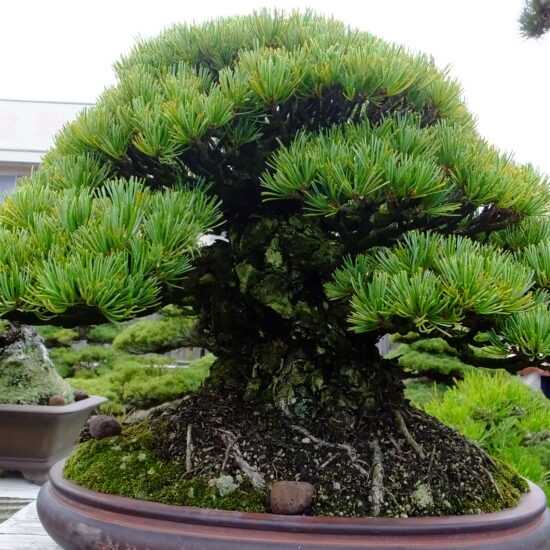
x=264, y=313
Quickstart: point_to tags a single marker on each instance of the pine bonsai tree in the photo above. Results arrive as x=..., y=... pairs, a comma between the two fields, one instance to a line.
x=351, y=197
x=535, y=18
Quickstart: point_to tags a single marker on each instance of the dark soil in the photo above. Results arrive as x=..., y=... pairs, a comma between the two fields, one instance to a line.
x=379, y=469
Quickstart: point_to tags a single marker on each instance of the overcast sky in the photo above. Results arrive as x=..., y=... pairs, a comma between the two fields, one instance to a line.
x=61, y=50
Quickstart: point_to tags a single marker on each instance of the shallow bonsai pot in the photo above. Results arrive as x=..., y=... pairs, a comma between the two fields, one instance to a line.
x=34, y=437
x=79, y=519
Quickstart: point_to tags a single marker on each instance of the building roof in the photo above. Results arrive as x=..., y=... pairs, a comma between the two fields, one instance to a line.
x=27, y=128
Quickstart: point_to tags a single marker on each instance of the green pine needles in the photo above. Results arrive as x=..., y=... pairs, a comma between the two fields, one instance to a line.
x=357, y=142
x=534, y=20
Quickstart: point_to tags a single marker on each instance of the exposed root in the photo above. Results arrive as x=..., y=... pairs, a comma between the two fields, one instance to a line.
x=228, y=447
x=377, y=479
x=232, y=449
x=408, y=437
x=327, y=462
x=493, y=482
x=189, y=449
x=352, y=453
x=395, y=444
x=431, y=462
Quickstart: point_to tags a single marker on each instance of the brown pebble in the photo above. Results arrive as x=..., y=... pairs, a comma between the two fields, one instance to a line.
x=103, y=426
x=80, y=395
x=291, y=497
x=56, y=401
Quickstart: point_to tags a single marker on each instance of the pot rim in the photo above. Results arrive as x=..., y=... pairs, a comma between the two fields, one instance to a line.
x=531, y=507
x=91, y=401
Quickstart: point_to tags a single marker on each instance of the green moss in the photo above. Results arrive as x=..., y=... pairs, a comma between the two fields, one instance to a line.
x=271, y=290
x=103, y=334
x=510, y=488
x=127, y=466
x=244, y=272
x=273, y=254
x=56, y=336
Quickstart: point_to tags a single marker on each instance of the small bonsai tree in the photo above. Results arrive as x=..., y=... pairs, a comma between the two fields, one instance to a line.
x=27, y=374
x=351, y=197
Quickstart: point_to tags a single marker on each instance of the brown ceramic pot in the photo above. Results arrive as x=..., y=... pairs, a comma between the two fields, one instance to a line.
x=79, y=519
x=34, y=437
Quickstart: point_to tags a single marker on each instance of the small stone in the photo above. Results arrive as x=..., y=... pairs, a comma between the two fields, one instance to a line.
x=306, y=440
x=291, y=497
x=102, y=426
x=80, y=395
x=56, y=401
x=336, y=486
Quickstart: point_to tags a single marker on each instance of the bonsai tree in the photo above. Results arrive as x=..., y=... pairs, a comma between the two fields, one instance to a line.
x=535, y=18
x=27, y=374
x=347, y=195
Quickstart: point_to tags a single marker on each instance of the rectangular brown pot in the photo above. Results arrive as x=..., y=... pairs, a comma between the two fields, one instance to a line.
x=34, y=437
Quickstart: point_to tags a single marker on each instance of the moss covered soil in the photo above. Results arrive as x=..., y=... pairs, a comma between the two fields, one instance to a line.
x=192, y=454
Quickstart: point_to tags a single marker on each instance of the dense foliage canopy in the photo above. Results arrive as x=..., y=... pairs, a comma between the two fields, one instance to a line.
x=343, y=176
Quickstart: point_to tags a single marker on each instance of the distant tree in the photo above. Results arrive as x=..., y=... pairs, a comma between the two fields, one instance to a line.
x=535, y=18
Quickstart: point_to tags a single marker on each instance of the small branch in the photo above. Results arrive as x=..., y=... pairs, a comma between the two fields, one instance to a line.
x=409, y=438
x=377, y=479
x=189, y=449
x=352, y=453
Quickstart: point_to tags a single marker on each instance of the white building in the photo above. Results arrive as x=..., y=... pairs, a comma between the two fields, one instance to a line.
x=27, y=129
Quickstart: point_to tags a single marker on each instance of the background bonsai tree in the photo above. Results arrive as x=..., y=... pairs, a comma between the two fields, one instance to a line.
x=352, y=198
x=535, y=18
x=27, y=374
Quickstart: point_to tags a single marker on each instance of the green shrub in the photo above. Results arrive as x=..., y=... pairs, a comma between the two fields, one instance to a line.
x=505, y=416
x=419, y=393
x=141, y=382
x=67, y=360
x=56, y=336
x=103, y=334
x=154, y=335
